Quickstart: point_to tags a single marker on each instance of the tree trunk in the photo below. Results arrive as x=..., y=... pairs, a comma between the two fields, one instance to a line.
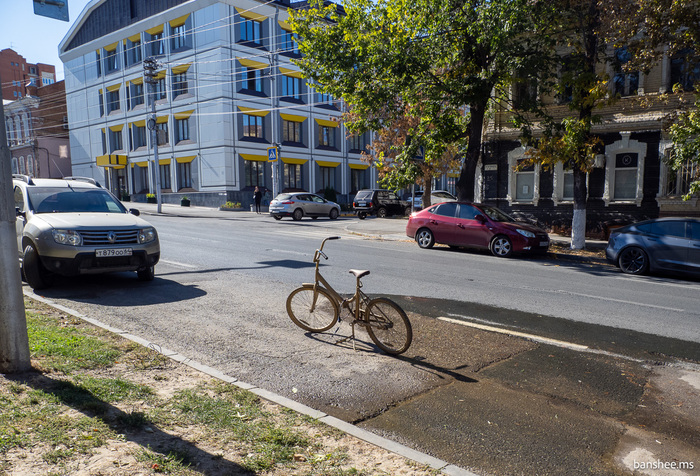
x=467, y=175
x=578, y=223
x=427, y=191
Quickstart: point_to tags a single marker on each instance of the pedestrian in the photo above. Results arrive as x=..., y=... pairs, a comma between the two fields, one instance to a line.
x=257, y=196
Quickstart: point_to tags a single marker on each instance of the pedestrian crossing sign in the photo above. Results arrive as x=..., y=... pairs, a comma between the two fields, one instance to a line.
x=272, y=154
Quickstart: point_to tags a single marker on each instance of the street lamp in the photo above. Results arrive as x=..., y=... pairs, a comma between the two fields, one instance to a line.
x=150, y=65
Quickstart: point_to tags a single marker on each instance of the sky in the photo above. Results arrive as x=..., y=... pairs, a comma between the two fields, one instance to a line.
x=36, y=37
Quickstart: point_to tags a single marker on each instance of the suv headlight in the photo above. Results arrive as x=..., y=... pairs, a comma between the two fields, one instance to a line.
x=525, y=233
x=147, y=235
x=67, y=237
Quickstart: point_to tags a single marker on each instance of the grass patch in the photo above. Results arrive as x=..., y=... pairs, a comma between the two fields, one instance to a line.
x=173, y=462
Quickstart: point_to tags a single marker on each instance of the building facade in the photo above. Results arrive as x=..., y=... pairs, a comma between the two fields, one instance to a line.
x=37, y=132
x=630, y=180
x=226, y=91
x=18, y=76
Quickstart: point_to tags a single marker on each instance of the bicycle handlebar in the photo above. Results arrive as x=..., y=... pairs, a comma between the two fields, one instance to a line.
x=320, y=250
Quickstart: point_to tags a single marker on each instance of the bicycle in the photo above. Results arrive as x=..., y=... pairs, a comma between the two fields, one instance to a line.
x=316, y=307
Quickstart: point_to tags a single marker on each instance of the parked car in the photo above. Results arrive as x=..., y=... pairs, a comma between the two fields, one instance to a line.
x=474, y=225
x=303, y=204
x=73, y=226
x=378, y=202
x=436, y=196
x=664, y=244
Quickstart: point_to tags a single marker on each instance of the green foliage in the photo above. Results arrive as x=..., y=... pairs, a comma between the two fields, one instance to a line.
x=685, y=134
x=231, y=205
x=436, y=62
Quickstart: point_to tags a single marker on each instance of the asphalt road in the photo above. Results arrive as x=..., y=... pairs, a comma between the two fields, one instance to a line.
x=477, y=399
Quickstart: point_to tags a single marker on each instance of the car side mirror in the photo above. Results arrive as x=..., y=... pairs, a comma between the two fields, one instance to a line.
x=134, y=211
x=20, y=213
x=480, y=218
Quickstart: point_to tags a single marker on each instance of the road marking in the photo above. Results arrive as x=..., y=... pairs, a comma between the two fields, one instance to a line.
x=561, y=291
x=500, y=330
x=655, y=282
x=178, y=264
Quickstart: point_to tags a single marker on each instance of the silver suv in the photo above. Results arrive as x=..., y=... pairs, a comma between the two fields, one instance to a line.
x=73, y=226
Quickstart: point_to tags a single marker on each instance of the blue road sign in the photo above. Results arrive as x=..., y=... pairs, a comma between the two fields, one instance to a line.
x=57, y=9
x=272, y=154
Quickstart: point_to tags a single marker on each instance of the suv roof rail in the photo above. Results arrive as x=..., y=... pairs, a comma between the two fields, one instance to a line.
x=23, y=178
x=84, y=179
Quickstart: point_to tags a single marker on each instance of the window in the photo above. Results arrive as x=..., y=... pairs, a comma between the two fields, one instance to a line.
x=525, y=183
x=254, y=173
x=98, y=62
x=448, y=209
x=568, y=192
x=138, y=136
x=181, y=38
x=357, y=179
x=291, y=87
x=102, y=103
x=624, y=83
x=112, y=101
x=162, y=133
x=161, y=88
x=327, y=177
x=625, y=176
x=111, y=62
x=182, y=130
x=326, y=136
x=253, y=126
x=184, y=175
x=164, y=170
x=292, y=176
x=180, y=84
x=468, y=212
x=678, y=181
x=133, y=52
x=566, y=79
x=324, y=99
x=115, y=140
x=140, y=179
x=104, y=142
x=156, y=45
x=137, y=97
x=287, y=43
x=685, y=70
x=291, y=131
x=524, y=91
x=252, y=79
x=357, y=142
x=251, y=30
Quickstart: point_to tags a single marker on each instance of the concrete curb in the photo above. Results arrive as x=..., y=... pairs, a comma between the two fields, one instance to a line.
x=443, y=466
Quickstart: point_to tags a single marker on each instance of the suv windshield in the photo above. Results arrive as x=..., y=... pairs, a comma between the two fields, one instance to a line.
x=72, y=200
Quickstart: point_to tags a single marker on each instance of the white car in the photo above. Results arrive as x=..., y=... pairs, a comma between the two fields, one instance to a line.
x=73, y=226
x=303, y=204
x=436, y=196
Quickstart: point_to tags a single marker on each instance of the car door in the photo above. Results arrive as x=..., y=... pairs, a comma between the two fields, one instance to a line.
x=470, y=231
x=394, y=204
x=443, y=223
x=304, y=201
x=317, y=206
x=667, y=244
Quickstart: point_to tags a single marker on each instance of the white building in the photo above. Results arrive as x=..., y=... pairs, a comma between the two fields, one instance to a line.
x=227, y=91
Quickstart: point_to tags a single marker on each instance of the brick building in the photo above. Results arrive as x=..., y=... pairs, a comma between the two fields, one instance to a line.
x=17, y=75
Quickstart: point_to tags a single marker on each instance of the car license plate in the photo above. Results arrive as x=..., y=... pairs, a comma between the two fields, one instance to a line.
x=361, y=204
x=544, y=243
x=113, y=252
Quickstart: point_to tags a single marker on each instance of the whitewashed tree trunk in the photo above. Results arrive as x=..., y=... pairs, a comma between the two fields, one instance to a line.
x=578, y=229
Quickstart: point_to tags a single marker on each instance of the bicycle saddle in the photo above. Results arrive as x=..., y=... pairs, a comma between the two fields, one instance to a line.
x=359, y=272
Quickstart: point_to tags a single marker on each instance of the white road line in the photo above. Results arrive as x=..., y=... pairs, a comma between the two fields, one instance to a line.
x=500, y=330
x=177, y=264
x=561, y=291
x=656, y=282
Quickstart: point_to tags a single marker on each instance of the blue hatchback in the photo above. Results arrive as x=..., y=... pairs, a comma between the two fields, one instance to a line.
x=664, y=244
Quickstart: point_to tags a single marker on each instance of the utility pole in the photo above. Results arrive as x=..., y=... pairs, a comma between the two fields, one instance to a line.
x=150, y=65
x=14, y=340
x=273, y=94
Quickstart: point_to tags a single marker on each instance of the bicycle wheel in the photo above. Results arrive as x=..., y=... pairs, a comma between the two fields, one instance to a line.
x=388, y=326
x=324, y=314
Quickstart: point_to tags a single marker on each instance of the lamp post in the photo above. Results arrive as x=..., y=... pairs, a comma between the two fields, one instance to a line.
x=150, y=65
x=271, y=56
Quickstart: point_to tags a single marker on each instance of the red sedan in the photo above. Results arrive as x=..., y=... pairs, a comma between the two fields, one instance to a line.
x=474, y=225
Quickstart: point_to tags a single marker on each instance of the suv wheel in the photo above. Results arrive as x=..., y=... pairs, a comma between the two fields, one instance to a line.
x=147, y=274
x=34, y=272
x=361, y=215
x=381, y=212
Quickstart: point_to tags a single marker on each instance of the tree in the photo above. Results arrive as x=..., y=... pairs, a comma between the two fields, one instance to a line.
x=439, y=61
x=655, y=28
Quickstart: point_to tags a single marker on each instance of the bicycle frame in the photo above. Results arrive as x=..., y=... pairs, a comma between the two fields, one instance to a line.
x=320, y=281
